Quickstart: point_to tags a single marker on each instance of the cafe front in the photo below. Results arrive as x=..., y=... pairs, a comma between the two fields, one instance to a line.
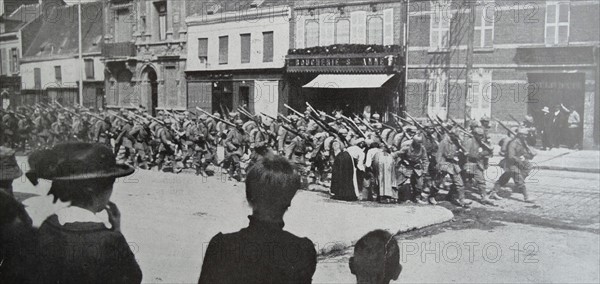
x=346, y=78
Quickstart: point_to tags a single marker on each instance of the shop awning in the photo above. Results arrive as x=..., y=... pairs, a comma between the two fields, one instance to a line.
x=348, y=81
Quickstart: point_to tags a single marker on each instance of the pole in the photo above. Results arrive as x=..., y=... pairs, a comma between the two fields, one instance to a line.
x=80, y=55
x=406, y=36
x=469, y=59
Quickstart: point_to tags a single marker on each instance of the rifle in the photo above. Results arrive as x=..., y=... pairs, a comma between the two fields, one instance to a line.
x=421, y=127
x=513, y=118
x=294, y=111
x=284, y=119
x=215, y=118
x=270, y=117
x=259, y=123
x=462, y=128
x=353, y=126
x=529, y=151
x=433, y=122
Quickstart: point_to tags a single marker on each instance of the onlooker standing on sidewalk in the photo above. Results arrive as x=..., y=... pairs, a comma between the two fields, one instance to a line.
x=573, y=122
x=556, y=132
x=546, y=128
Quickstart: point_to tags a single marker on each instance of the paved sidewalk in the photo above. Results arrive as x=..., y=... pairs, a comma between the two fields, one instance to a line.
x=169, y=219
x=562, y=159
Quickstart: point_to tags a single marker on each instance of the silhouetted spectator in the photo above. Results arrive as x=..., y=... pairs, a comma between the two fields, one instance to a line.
x=376, y=258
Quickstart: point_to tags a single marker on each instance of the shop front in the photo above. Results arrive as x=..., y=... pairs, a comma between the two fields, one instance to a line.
x=345, y=78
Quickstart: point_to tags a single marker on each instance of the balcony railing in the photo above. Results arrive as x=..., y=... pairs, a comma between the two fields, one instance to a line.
x=118, y=49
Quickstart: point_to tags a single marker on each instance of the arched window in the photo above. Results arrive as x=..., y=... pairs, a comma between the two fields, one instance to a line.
x=375, y=30
x=342, y=31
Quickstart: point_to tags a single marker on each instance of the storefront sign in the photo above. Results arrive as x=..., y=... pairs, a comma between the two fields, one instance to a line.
x=305, y=63
x=554, y=55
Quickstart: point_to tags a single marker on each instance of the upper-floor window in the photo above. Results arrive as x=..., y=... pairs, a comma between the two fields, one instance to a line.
x=557, y=22
x=312, y=33
x=37, y=78
x=342, y=31
x=267, y=46
x=203, y=49
x=484, y=26
x=14, y=60
x=123, y=28
x=58, y=74
x=437, y=93
x=89, y=68
x=223, y=49
x=245, y=43
x=439, y=33
x=375, y=33
x=161, y=11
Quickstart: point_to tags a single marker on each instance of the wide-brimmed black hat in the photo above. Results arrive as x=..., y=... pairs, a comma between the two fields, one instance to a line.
x=75, y=161
x=9, y=169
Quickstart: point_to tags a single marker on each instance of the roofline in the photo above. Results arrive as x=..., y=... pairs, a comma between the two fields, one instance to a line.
x=343, y=4
x=31, y=59
x=224, y=17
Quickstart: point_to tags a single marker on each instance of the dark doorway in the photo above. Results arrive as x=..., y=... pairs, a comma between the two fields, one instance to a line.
x=222, y=96
x=152, y=79
x=245, y=97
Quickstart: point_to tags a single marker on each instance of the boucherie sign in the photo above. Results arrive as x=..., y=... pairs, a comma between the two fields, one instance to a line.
x=307, y=60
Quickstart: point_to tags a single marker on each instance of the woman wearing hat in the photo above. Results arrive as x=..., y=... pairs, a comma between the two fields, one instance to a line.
x=263, y=252
x=82, y=243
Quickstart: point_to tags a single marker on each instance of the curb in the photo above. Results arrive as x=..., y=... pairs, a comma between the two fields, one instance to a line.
x=570, y=169
x=444, y=216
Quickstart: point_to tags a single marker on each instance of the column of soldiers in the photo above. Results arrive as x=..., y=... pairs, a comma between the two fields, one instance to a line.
x=424, y=157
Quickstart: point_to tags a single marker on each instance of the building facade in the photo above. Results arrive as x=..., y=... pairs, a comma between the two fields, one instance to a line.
x=15, y=16
x=524, y=56
x=144, y=51
x=346, y=55
x=50, y=67
x=236, y=57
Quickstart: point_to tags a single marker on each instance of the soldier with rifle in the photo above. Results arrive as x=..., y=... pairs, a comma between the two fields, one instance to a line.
x=448, y=157
x=474, y=168
x=234, y=149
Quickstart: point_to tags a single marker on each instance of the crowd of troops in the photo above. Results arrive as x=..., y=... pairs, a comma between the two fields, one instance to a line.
x=358, y=157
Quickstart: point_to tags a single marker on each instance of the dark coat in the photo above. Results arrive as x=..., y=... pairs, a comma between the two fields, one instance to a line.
x=261, y=253
x=342, y=177
x=84, y=252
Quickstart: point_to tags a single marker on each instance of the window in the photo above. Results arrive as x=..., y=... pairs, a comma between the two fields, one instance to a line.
x=14, y=60
x=342, y=31
x=123, y=28
x=2, y=59
x=484, y=26
x=268, y=47
x=161, y=10
x=358, y=25
x=437, y=91
x=203, y=49
x=89, y=69
x=245, y=42
x=223, y=49
x=58, y=74
x=480, y=94
x=557, y=22
x=37, y=78
x=312, y=33
x=439, y=33
x=375, y=31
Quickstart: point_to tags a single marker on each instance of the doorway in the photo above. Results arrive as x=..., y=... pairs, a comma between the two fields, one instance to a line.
x=222, y=97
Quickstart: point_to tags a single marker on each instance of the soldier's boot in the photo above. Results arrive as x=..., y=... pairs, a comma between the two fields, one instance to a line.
x=526, y=196
x=494, y=193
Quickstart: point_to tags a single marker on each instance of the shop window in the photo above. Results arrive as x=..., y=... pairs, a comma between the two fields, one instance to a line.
x=245, y=43
x=203, y=49
x=557, y=22
x=312, y=33
x=437, y=93
x=89, y=68
x=57, y=74
x=342, y=31
x=484, y=26
x=37, y=78
x=375, y=26
x=439, y=32
x=223, y=49
x=2, y=59
x=267, y=46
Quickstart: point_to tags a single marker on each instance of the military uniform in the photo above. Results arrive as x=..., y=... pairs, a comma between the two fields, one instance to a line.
x=448, y=157
x=234, y=149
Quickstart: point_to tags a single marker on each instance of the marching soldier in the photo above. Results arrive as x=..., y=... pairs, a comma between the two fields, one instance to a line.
x=102, y=131
x=167, y=147
x=516, y=164
x=140, y=133
x=234, y=146
x=448, y=157
x=414, y=161
x=475, y=165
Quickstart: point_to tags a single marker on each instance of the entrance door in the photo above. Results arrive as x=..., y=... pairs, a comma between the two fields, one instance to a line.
x=222, y=96
x=153, y=92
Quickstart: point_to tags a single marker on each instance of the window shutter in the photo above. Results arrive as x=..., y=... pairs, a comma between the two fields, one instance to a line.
x=326, y=29
x=300, y=31
x=245, y=48
x=203, y=47
x=388, y=26
x=358, y=27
